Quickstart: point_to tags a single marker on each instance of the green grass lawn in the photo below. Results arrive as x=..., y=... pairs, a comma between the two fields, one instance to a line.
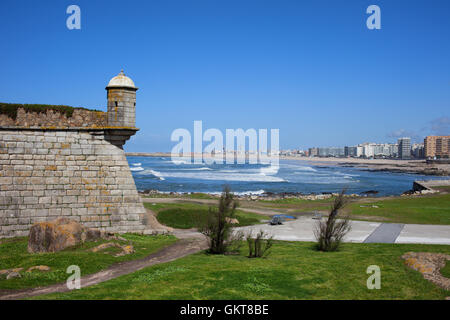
x=445, y=271
x=430, y=209
x=442, y=188
x=298, y=204
x=293, y=270
x=427, y=209
x=192, y=215
x=13, y=254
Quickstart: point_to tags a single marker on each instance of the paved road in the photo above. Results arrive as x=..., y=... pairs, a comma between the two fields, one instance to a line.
x=385, y=233
x=302, y=229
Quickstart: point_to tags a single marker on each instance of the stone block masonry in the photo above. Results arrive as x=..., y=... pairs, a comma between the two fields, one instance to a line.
x=58, y=161
x=51, y=118
x=75, y=173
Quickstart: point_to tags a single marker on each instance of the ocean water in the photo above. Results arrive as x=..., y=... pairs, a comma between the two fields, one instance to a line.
x=163, y=174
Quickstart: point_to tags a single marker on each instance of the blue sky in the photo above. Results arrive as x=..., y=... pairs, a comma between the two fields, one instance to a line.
x=309, y=68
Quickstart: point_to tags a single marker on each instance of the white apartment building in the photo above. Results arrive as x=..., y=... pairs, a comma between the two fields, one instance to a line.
x=370, y=149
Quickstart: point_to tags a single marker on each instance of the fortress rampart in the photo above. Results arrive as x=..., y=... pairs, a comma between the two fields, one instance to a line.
x=57, y=162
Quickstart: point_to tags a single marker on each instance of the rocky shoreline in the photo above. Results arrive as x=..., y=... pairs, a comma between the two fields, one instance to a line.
x=422, y=170
x=268, y=196
x=271, y=196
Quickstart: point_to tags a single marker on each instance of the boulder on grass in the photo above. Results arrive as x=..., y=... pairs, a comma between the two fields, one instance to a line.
x=126, y=249
x=231, y=220
x=59, y=234
x=38, y=268
x=13, y=275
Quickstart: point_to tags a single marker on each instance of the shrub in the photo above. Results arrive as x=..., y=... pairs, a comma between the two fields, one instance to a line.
x=217, y=227
x=259, y=247
x=330, y=233
x=10, y=109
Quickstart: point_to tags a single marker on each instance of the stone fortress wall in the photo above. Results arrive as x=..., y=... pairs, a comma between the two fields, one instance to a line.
x=71, y=167
x=51, y=118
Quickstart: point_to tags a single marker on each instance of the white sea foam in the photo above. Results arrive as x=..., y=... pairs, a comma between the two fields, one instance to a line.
x=305, y=168
x=196, y=169
x=249, y=193
x=346, y=174
x=271, y=170
x=299, y=167
x=136, y=169
x=222, y=176
x=138, y=164
x=243, y=193
x=178, y=161
x=155, y=173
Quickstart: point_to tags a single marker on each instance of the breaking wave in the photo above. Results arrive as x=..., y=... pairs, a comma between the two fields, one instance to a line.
x=154, y=173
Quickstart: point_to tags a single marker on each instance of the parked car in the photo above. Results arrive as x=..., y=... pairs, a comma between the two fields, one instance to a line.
x=276, y=220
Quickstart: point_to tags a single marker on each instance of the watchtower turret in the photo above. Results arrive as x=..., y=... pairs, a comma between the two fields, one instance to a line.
x=121, y=101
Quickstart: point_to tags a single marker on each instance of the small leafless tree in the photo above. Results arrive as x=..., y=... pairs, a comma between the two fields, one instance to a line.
x=259, y=246
x=217, y=226
x=329, y=233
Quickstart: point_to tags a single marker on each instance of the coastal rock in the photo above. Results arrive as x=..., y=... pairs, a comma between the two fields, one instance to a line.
x=232, y=220
x=419, y=192
x=13, y=275
x=429, y=265
x=368, y=192
x=129, y=249
x=59, y=234
x=38, y=268
x=10, y=273
x=428, y=191
x=126, y=249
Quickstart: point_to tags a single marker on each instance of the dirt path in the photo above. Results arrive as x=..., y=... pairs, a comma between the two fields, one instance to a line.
x=190, y=242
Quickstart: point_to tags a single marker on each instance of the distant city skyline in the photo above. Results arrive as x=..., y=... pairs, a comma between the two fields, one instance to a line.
x=311, y=69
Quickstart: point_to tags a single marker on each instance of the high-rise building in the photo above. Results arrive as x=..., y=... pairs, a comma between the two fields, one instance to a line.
x=393, y=150
x=350, y=151
x=437, y=146
x=404, y=148
x=313, y=152
x=359, y=151
x=331, y=152
x=372, y=150
x=417, y=150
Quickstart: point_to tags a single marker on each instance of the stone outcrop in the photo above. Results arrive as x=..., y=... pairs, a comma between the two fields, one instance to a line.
x=231, y=220
x=15, y=272
x=4, y=273
x=125, y=249
x=39, y=268
x=57, y=235
x=429, y=265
